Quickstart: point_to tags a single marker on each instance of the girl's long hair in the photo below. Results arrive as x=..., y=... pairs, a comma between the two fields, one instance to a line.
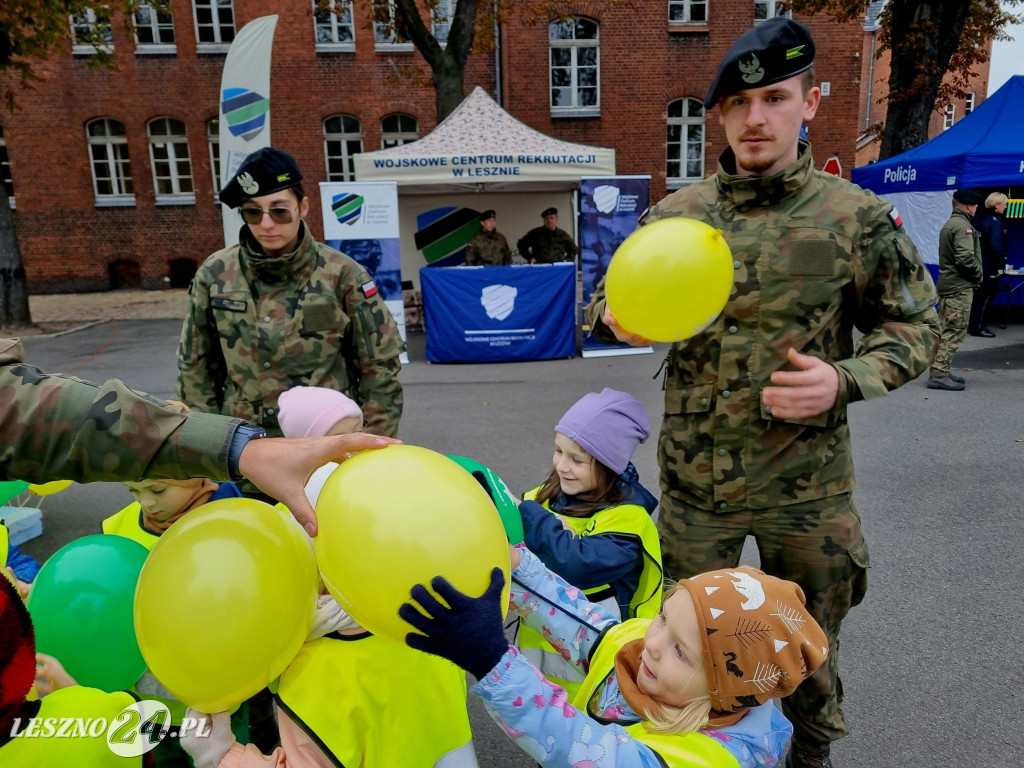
x=606, y=493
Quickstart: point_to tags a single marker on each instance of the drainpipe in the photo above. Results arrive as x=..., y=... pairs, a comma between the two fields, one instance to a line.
x=871, y=81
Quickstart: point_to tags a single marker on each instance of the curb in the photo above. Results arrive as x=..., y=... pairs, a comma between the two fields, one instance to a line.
x=66, y=331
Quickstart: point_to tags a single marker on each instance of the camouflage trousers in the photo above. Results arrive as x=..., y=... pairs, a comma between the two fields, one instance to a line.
x=954, y=315
x=819, y=545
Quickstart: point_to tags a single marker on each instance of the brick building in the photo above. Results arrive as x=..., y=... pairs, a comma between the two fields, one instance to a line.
x=114, y=172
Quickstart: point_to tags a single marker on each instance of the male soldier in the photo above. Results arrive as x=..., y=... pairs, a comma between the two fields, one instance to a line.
x=754, y=439
x=960, y=273
x=280, y=310
x=547, y=244
x=488, y=248
x=56, y=427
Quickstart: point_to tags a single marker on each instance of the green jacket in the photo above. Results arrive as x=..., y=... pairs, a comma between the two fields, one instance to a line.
x=489, y=249
x=814, y=257
x=54, y=426
x=546, y=246
x=959, y=255
x=257, y=326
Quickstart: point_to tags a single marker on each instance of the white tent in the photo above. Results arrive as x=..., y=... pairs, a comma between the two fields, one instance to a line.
x=482, y=144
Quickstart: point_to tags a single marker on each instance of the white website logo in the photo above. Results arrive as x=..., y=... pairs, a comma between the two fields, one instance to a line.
x=499, y=300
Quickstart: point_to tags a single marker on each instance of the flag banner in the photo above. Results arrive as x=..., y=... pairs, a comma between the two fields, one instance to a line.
x=244, y=106
x=361, y=221
x=609, y=209
x=499, y=314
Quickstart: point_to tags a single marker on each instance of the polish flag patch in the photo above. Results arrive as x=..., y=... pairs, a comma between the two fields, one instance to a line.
x=369, y=289
x=896, y=218
x=969, y=232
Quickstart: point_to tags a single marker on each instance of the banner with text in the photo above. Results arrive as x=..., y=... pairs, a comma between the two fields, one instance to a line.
x=361, y=221
x=609, y=209
x=499, y=314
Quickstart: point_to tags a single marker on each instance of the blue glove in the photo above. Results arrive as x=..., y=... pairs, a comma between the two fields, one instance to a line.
x=468, y=633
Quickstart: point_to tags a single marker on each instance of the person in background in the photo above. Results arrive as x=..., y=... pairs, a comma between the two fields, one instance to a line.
x=995, y=247
x=488, y=248
x=547, y=244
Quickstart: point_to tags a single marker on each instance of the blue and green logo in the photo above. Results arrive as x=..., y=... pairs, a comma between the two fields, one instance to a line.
x=347, y=207
x=245, y=112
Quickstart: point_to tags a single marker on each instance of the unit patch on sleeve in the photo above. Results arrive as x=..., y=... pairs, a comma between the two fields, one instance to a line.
x=368, y=289
x=896, y=218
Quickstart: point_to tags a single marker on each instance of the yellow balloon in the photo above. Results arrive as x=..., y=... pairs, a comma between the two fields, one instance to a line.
x=670, y=279
x=54, y=486
x=396, y=517
x=224, y=601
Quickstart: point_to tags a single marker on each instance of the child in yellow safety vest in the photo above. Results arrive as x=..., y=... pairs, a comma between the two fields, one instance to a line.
x=590, y=522
x=691, y=687
x=350, y=697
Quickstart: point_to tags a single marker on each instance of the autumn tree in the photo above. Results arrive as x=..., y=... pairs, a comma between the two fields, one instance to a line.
x=927, y=40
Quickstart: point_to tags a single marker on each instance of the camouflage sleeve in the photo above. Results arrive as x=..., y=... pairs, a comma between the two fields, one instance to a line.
x=570, y=247
x=377, y=345
x=523, y=245
x=472, y=253
x=896, y=313
x=595, y=313
x=200, y=364
x=54, y=426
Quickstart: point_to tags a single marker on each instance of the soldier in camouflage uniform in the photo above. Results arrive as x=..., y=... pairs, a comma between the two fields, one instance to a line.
x=57, y=427
x=547, y=244
x=755, y=439
x=488, y=248
x=960, y=273
x=281, y=310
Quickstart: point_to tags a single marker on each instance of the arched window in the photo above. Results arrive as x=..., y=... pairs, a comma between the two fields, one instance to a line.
x=574, y=67
x=684, y=142
x=172, y=165
x=343, y=140
x=398, y=129
x=108, y=158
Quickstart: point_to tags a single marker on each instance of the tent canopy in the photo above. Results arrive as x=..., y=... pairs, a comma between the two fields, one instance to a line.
x=481, y=146
x=982, y=150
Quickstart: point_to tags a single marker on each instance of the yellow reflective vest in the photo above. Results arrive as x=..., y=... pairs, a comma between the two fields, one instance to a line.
x=625, y=520
x=128, y=523
x=676, y=750
x=376, y=703
x=49, y=751
x=3, y=545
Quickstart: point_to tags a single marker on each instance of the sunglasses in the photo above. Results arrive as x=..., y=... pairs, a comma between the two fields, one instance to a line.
x=253, y=215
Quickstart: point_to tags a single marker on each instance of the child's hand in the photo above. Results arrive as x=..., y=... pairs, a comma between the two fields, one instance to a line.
x=209, y=749
x=51, y=675
x=23, y=586
x=515, y=556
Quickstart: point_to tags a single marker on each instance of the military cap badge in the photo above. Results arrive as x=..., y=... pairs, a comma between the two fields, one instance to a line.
x=752, y=70
x=248, y=183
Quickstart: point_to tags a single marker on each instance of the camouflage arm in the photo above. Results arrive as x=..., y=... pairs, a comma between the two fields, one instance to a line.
x=595, y=313
x=54, y=426
x=197, y=364
x=896, y=313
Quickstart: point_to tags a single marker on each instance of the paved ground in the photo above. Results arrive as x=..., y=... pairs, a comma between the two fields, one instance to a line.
x=933, y=663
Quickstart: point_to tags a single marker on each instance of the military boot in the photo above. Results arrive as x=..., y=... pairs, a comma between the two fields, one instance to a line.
x=798, y=757
x=957, y=379
x=945, y=382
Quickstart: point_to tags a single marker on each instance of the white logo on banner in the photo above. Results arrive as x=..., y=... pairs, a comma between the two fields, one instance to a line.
x=606, y=198
x=498, y=300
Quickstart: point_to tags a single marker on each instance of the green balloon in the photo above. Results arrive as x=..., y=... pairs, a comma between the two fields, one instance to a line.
x=11, y=488
x=82, y=609
x=500, y=495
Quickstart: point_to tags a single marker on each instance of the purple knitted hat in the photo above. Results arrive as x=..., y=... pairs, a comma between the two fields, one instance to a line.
x=609, y=426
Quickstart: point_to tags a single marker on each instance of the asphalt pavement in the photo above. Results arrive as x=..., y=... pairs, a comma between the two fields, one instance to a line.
x=932, y=660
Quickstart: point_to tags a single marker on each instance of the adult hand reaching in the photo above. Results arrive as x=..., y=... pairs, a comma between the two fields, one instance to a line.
x=620, y=333
x=810, y=391
x=281, y=466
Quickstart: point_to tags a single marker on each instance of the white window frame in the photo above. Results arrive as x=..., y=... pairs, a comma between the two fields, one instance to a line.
x=969, y=102
x=116, y=162
x=334, y=24
x=390, y=139
x=219, y=45
x=176, y=147
x=441, y=17
x=949, y=116
x=344, y=139
x=155, y=25
x=213, y=147
x=90, y=19
x=684, y=122
x=772, y=8
x=5, y=170
x=574, y=46
x=382, y=42
x=688, y=7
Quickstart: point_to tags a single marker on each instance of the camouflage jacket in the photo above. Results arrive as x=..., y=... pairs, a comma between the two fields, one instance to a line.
x=814, y=257
x=57, y=427
x=489, y=249
x=257, y=326
x=959, y=255
x=547, y=246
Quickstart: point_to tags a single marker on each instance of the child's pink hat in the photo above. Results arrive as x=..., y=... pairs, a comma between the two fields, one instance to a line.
x=312, y=411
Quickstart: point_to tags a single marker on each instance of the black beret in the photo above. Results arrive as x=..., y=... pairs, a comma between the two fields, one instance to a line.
x=773, y=51
x=550, y=212
x=967, y=197
x=263, y=172
x=488, y=214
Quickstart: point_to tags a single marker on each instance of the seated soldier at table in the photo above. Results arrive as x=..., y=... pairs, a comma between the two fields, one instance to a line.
x=488, y=248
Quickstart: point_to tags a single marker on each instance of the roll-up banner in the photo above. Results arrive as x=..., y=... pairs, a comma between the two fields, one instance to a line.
x=361, y=221
x=244, y=106
x=609, y=209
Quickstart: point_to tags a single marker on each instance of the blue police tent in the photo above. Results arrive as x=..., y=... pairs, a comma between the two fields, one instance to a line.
x=981, y=151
